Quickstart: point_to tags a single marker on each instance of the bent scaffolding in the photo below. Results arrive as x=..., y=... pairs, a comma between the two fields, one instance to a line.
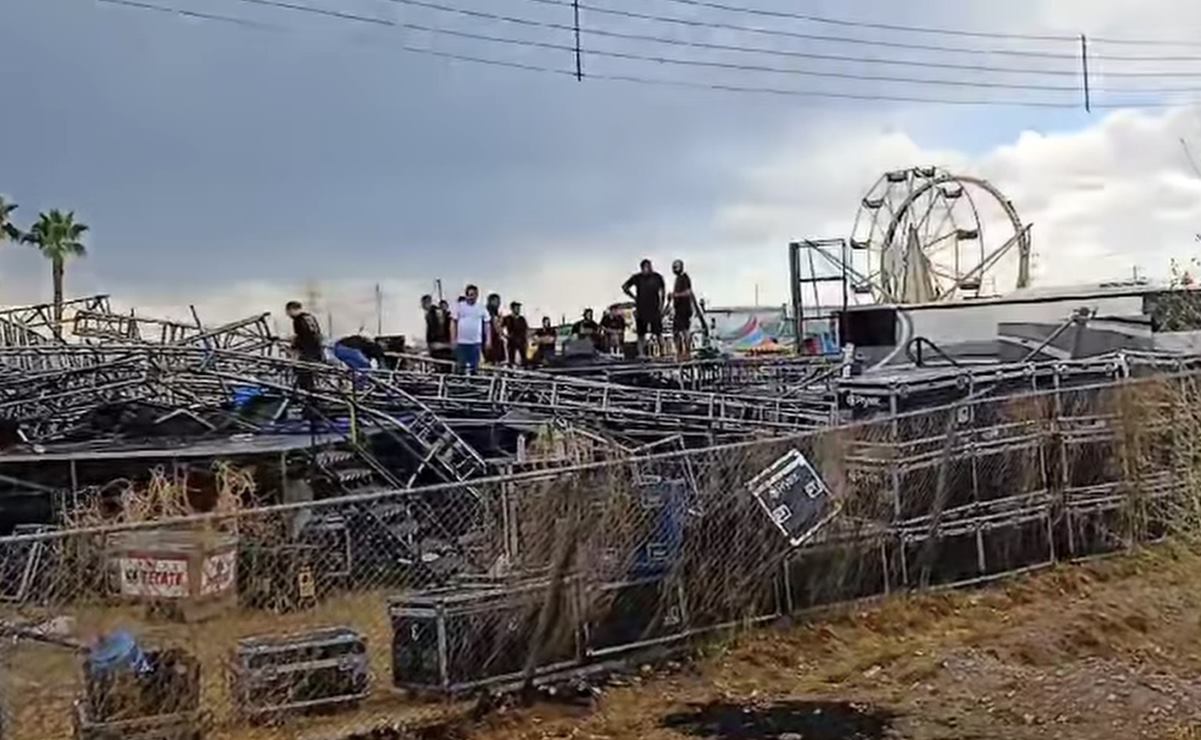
x=223, y=543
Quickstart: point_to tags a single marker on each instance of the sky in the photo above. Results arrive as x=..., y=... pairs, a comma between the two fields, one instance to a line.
x=233, y=167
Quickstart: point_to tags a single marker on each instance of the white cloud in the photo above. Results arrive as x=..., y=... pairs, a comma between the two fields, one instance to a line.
x=1116, y=194
x=1102, y=200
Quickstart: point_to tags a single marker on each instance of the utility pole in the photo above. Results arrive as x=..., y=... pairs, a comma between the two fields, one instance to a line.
x=1088, y=103
x=379, y=311
x=579, y=62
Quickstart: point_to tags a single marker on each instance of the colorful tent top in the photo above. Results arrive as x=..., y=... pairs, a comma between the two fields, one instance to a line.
x=749, y=336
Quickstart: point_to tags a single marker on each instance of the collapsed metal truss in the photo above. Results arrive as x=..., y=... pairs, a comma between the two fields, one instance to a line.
x=53, y=391
x=251, y=334
x=744, y=374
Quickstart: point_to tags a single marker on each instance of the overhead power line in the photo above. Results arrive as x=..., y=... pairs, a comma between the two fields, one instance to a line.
x=936, y=30
x=1147, y=42
x=636, y=79
x=401, y=46
x=658, y=59
x=712, y=4
x=765, y=50
x=1073, y=73
x=710, y=64
x=189, y=13
x=782, y=33
x=649, y=80
x=937, y=48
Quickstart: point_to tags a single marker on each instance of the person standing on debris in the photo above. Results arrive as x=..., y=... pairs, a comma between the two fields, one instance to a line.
x=587, y=328
x=544, y=342
x=613, y=330
x=469, y=331
x=437, y=329
x=647, y=289
x=517, y=331
x=307, y=342
x=358, y=352
x=495, y=352
x=681, y=316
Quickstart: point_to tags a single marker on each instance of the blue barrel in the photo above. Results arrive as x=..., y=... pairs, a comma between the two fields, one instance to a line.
x=115, y=652
x=244, y=394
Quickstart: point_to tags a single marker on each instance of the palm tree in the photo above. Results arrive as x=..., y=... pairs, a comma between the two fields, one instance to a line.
x=7, y=230
x=57, y=236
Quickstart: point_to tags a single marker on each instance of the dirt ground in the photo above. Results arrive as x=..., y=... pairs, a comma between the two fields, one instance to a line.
x=1110, y=649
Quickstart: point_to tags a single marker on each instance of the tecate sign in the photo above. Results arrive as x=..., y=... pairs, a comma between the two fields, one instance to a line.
x=163, y=578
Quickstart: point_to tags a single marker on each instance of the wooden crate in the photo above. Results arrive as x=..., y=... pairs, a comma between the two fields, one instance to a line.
x=183, y=574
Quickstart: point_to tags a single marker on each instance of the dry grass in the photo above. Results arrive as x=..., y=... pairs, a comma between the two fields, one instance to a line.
x=1068, y=653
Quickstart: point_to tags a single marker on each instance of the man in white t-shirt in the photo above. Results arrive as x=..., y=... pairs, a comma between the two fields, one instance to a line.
x=469, y=330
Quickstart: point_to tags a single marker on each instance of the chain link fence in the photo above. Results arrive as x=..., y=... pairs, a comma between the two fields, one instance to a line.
x=157, y=611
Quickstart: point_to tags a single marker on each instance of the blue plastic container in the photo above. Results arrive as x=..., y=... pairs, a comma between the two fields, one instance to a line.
x=117, y=651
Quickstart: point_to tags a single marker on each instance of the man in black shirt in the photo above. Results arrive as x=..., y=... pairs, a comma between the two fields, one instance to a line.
x=495, y=353
x=517, y=332
x=437, y=330
x=681, y=300
x=613, y=328
x=544, y=342
x=307, y=342
x=587, y=328
x=646, y=287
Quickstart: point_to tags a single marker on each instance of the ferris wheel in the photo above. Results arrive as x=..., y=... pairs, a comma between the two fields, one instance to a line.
x=920, y=236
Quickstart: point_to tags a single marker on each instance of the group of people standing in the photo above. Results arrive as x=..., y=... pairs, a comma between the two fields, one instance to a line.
x=469, y=332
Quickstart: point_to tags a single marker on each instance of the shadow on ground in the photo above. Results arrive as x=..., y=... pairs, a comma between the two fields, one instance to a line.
x=811, y=720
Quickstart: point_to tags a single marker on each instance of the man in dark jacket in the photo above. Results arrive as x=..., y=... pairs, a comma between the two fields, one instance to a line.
x=307, y=342
x=437, y=330
x=517, y=335
x=613, y=329
x=587, y=328
x=544, y=342
x=306, y=333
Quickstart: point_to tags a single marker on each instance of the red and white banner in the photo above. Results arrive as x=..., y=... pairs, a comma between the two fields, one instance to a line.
x=160, y=578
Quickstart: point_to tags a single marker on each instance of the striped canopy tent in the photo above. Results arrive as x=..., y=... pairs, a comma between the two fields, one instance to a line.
x=750, y=337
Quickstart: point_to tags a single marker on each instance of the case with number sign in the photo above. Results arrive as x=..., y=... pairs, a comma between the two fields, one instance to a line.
x=794, y=496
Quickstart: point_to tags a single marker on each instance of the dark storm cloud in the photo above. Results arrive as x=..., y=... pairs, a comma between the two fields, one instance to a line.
x=200, y=149
x=202, y=152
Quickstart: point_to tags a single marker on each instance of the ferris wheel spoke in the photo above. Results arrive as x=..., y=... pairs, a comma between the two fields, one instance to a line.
x=939, y=244
x=947, y=215
x=922, y=222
